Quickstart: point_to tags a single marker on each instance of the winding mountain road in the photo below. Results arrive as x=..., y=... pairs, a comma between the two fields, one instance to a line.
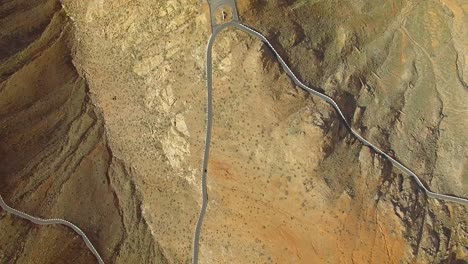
x=215, y=6
x=41, y=221
x=229, y=11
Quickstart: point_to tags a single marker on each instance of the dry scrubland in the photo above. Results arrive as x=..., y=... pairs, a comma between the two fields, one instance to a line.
x=102, y=118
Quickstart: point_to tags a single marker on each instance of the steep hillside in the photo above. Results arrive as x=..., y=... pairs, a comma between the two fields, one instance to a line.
x=55, y=159
x=103, y=114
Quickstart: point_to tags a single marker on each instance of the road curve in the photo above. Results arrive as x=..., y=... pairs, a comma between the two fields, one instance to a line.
x=41, y=221
x=395, y=163
x=209, y=124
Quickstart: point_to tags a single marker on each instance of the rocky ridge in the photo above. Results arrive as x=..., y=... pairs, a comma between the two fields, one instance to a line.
x=102, y=123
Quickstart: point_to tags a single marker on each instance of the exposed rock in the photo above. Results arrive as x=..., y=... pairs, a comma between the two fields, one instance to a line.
x=103, y=114
x=56, y=162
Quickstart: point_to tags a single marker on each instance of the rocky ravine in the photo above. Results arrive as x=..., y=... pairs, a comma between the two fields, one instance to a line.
x=102, y=111
x=55, y=158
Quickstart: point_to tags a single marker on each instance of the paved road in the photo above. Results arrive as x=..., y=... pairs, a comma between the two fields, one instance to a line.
x=217, y=28
x=215, y=5
x=41, y=221
x=354, y=133
x=218, y=5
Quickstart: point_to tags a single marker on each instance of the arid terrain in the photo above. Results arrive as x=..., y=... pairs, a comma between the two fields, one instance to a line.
x=103, y=115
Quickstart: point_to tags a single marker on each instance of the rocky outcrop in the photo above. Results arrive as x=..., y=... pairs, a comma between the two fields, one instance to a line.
x=55, y=158
x=398, y=60
x=102, y=122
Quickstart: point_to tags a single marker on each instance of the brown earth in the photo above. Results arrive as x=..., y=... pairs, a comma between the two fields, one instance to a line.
x=102, y=118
